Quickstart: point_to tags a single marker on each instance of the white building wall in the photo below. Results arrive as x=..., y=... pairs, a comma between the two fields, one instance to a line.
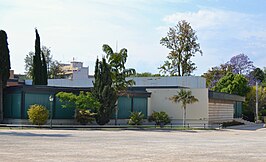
x=75, y=64
x=196, y=113
x=184, y=81
x=81, y=74
x=80, y=79
x=82, y=82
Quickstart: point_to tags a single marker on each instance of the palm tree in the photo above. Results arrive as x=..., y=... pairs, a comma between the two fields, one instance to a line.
x=185, y=97
x=117, y=61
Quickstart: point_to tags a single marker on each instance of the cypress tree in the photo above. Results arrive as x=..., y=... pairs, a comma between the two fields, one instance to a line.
x=104, y=92
x=4, y=67
x=44, y=70
x=39, y=65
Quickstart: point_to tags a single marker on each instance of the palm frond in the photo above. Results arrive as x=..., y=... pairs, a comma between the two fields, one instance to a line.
x=184, y=96
x=108, y=50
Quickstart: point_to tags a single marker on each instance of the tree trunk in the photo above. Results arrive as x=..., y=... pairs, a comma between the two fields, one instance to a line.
x=1, y=100
x=116, y=111
x=179, y=69
x=185, y=116
x=179, y=63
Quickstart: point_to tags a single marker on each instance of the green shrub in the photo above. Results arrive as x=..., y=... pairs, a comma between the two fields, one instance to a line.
x=85, y=116
x=160, y=118
x=136, y=118
x=231, y=123
x=38, y=114
x=262, y=112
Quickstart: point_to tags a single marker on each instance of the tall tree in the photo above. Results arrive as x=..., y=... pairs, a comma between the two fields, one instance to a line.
x=233, y=83
x=117, y=61
x=29, y=65
x=257, y=75
x=39, y=64
x=184, y=97
x=44, y=70
x=182, y=42
x=54, y=67
x=4, y=67
x=104, y=92
x=250, y=102
x=241, y=64
x=213, y=75
x=55, y=70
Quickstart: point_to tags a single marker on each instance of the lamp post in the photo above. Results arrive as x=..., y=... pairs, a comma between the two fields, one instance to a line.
x=51, y=99
x=257, y=103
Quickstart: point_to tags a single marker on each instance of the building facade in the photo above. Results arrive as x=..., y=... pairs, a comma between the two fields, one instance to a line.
x=148, y=95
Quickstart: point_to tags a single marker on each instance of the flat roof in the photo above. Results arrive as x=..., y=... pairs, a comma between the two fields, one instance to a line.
x=225, y=96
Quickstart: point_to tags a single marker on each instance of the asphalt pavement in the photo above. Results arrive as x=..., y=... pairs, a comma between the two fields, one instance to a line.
x=233, y=144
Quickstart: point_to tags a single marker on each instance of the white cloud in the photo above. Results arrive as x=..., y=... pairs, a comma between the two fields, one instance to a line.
x=215, y=23
x=211, y=18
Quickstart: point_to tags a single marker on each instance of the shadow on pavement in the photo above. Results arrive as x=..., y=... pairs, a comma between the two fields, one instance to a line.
x=252, y=127
x=162, y=130
x=26, y=134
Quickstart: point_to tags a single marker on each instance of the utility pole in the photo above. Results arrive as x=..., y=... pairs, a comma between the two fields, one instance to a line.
x=116, y=46
x=257, y=103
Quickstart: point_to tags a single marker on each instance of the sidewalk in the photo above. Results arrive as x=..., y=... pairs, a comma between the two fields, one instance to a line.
x=247, y=127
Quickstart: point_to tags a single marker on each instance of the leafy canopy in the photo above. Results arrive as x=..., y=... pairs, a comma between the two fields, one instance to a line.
x=53, y=66
x=82, y=101
x=181, y=40
x=233, y=83
x=184, y=97
x=117, y=61
x=214, y=74
x=147, y=74
x=241, y=64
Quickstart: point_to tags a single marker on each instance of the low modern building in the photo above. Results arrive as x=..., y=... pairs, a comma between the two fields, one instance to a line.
x=148, y=95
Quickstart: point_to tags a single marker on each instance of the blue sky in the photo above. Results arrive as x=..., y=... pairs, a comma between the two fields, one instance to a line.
x=79, y=28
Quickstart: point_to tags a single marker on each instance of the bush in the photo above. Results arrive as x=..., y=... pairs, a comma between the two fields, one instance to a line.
x=38, y=114
x=136, y=118
x=160, y=118
x=231, y=123
x=262, y=115
x=248, y=115
x=84, y=116
x=262, y=112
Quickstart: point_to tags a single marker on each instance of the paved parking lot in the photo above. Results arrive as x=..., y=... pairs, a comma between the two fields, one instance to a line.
x=132, y=145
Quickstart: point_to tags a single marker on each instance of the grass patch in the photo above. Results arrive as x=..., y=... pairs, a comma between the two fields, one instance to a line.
x=109, y=128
